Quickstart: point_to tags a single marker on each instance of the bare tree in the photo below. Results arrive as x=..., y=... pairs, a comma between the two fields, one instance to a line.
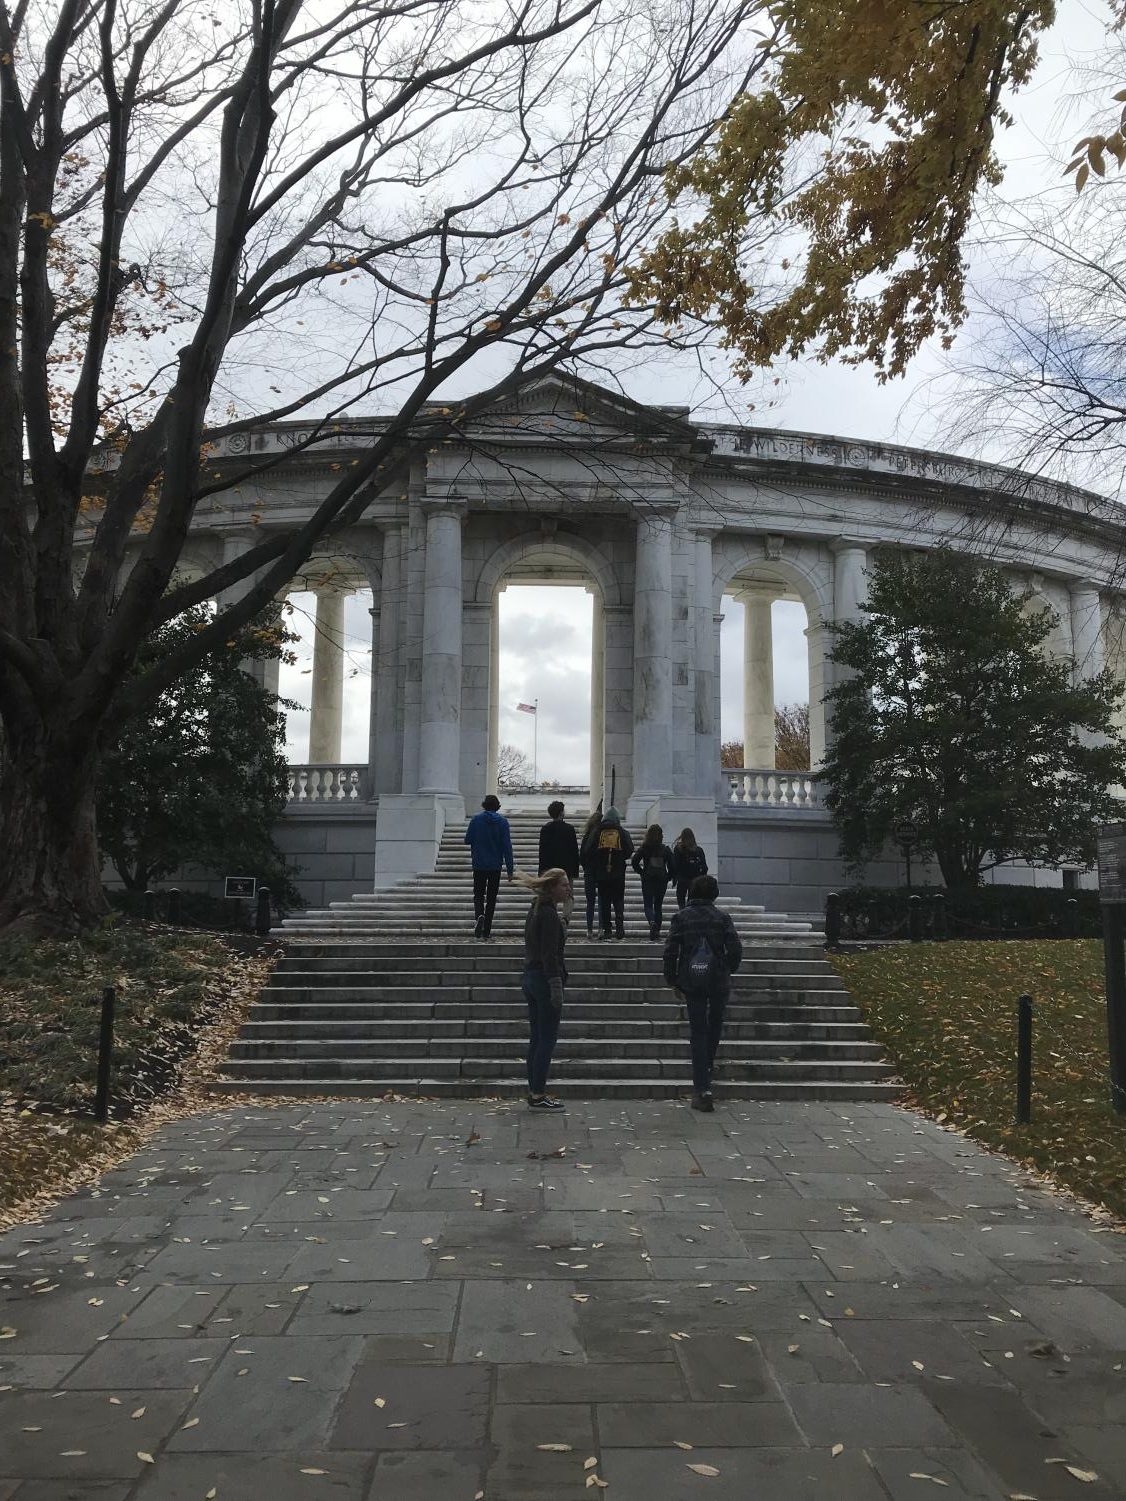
x=328, y=204
x=791, y=741
x=514, y=768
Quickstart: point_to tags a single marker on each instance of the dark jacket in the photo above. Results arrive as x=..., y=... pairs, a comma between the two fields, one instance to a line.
x=608, y=864
x=702, y=920
x=688, y=864
x=559, y=847
x=545, y=933
x=490, y=841
x=653, y=866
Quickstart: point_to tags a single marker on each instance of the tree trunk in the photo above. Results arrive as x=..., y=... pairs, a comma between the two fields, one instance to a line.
x=50, y=870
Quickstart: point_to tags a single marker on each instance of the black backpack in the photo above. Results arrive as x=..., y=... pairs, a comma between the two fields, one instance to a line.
x=700, y=969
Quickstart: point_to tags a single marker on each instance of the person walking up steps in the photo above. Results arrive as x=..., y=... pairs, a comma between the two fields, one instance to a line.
x=588, y=859
x=612, y=849
x=653, y=863
x=688, y=862
x=490, y=845
x=545, y=975
x=702, y=952
x=559, y=844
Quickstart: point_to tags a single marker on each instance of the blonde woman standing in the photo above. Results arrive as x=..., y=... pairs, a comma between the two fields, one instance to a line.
x=545, y=975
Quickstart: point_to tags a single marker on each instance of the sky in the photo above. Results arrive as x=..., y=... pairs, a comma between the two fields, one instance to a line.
x=545, y=633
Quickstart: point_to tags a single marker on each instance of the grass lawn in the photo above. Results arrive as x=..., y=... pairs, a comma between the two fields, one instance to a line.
x=174, y=989
x=946, y=1012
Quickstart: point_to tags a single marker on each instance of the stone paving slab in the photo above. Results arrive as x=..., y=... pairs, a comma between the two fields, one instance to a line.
x=464, y=1302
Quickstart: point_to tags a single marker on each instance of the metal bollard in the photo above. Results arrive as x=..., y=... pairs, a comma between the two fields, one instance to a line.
x=262, y=918
x=148, y=905
x=175, y=906
x=1024, y=1060
x=915, y=918
x=1071, y=918
x=105, y=1056
x=938, y=916
x=832, y=921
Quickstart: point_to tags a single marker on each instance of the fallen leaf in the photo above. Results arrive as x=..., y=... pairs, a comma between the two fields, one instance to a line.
x=680, y=1444
x=836, y=1449
x=703, y=1469
x=379, y=1402
x=145, y=1459
x=589, y=1464
x=555, y=1448
x=920, y=1475
x=138, y=1414
x=7, y=1332
x=310, y=1470
x=192, y=1423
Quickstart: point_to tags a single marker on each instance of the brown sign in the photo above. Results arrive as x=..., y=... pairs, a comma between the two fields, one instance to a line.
x=1112, y=862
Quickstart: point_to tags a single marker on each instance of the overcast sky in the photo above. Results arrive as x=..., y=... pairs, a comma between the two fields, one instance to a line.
x=545, y=633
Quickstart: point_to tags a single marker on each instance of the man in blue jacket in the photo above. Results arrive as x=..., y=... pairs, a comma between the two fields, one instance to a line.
x=490, y=843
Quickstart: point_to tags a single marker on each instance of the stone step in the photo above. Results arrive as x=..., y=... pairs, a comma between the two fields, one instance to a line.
x=611, y=985
x=737, y=1054
x=376, y=1067
x=340, y=1007
x=272, y=1021
x=825, y=1090
x=603, y=961
x=578, y=950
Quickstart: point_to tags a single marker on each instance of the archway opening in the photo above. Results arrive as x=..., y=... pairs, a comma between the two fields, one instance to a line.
x=767, y=666
x=332, y=666
x=544, y=663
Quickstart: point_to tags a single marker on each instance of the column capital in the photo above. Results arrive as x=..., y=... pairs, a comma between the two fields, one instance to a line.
x=706, y=529
x=847, y=544
x=1077, y=587
x=443, y=505
x=759, y=594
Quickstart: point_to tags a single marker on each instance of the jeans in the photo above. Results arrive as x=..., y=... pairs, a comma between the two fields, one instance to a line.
x=486, y=884
x=653, y=896
x=590, y=890
x=612, y=895
x=543, y=1028
x=705, y=1028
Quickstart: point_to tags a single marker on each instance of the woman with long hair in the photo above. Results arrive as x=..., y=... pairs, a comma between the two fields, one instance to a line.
x=688, y=862
x=653, y=863
x=588, y=854
x=545, y=975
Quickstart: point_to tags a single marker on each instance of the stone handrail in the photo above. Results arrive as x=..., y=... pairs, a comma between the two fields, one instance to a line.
x=749, y=787
x=327, y=783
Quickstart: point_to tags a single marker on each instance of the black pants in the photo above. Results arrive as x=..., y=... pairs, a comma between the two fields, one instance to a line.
x=682, y=892
x=486, y=884
x=653, y=897
x=705, y=1028
x=612, y=896
x=590, y=891
x=543, y=1028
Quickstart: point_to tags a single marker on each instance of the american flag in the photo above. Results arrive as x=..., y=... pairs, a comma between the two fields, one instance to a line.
x=526, y=708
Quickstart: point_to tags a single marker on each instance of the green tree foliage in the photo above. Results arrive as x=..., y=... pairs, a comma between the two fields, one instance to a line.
x=868, y=140
x=949, y=716
x=199, y=777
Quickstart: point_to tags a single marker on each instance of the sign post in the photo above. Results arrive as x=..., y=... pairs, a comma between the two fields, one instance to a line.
x=1112, y=901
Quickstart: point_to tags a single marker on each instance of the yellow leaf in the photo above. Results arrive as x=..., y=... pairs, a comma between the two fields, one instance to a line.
x=589, y=1464
x=836, y=1449
x=145, y=1458
x=555, y=1448
x=310, y=1470
x=703, y=1469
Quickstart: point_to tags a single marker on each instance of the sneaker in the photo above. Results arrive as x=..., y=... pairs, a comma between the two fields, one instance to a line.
x=544, y=1102
x=703, y=1102
x=590, y=934
x=479, y=927
x=605, y=935
x=618, y=937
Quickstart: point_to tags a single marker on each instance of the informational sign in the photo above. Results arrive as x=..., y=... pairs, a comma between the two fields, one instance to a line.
x=1112, y=862
x=240, y=886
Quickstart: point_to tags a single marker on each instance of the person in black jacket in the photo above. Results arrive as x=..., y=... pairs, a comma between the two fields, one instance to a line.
x=559, y=844
x=588, y=846
x=653, y=863
x=702, y=953
x=545, y=975
x=612, y=848
x=688, y=862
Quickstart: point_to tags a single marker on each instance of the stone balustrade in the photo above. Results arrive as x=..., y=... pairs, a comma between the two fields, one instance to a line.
x=328, y=783
x=749, y=787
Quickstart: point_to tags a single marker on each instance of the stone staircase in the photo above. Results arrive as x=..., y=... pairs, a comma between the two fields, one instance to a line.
x=390, y=993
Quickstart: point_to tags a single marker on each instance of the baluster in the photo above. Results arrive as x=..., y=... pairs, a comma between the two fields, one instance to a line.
x=291, y=785
x=746, y=789
x=353, y=793
x=316, y=792
x=303, y=785
x=762, y=794
x=335, y=784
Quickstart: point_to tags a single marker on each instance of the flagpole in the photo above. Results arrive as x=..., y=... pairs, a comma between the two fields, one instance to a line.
x=536, y=743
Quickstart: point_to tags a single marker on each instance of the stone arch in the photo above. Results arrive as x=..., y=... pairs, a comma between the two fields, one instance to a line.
x=540, y=546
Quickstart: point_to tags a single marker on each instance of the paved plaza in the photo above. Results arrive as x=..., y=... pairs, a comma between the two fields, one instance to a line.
x=449, y=1301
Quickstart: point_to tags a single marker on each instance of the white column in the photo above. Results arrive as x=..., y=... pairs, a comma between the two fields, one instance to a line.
x=816, y=638
x=373, y=729
x=385, y=668
x=850, y=582
x=758, y=679
x=652, y=660
x=597, y=697
x=494, y=695
x=326, y=712
x=1087, y=649
x=704, y=660
x=439, y=767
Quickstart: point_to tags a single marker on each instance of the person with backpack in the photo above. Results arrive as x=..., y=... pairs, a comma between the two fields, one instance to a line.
x=588, y=859
x=688, y=862
x=702, y=952
x=545, y=975
x=490, y=845
x=612, y=850
x=653, y=863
